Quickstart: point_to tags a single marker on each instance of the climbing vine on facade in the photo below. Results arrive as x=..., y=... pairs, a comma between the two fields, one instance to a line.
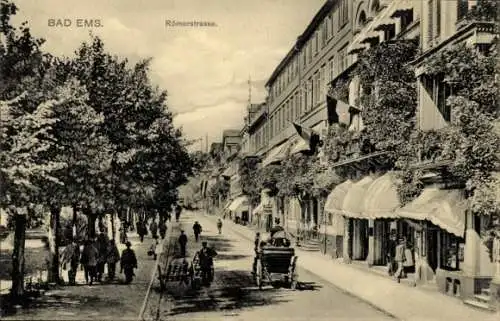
x=472, y=140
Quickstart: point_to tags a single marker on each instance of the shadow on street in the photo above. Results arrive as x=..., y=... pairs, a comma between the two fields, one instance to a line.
x=231, y=290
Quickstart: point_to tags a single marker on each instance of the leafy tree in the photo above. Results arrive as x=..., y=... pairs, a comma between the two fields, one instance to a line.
x=248, y=168
x=25, y=127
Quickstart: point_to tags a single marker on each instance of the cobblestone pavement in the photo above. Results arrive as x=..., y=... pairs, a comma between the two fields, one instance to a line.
x=106, y=301
x=233, y=295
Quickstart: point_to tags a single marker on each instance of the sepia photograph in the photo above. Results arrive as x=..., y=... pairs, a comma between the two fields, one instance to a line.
x=291, y=160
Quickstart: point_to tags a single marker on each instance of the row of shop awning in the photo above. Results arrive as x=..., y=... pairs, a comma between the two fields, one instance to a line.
x=385, y=19
x=377, y=198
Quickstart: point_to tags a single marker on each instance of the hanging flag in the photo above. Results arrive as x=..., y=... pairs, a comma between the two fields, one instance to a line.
x=340, y=112
x=307, y=134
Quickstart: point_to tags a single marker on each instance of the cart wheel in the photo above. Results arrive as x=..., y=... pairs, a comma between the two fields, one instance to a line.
x=258, y=274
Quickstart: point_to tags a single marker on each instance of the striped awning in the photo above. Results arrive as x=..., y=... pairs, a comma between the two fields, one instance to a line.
x=277, y=154
x=353, y=204
x=299, y=146
x=382, y=198
x=368, y=37
x=228, y=172
x=385, y=24
x=335, y=199
x=259, y=209
x=401, y=7
x=239, y=202
x=444, y=208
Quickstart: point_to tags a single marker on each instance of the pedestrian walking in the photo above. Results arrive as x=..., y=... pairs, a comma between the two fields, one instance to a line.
x=197, y=230
x=178, y=210
x=399, y=257
x=219, y=225
x=123, y=235
x=408, y=260
x=89, y=261
x=163, y=229
x=182, y=243
x=71, y=256
x=153, y=228
x=391, y=254
x=256, y=242
x=128, y=263
x=102, y=244
x=152, y=249
x=141, y=230
x=112, y=259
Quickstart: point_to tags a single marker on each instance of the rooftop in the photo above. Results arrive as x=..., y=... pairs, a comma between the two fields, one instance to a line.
x=302, y=39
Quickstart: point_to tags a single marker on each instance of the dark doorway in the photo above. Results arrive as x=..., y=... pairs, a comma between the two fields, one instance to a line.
x=432, y=247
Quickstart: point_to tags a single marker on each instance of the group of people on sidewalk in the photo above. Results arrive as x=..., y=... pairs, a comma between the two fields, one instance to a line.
x=154, y=228
x=96, y=254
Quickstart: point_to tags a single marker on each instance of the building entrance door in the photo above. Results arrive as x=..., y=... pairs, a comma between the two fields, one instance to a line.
x=432, y=248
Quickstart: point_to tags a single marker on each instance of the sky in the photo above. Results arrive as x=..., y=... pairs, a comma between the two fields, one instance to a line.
x=204, y=69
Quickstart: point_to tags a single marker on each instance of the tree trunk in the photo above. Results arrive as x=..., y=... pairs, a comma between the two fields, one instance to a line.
x=113, y=224
x=75, y=222
x=90, y=223
x=55, y=214
x=17, y=291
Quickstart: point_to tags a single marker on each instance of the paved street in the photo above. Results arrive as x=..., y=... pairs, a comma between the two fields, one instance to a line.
x=233, y=294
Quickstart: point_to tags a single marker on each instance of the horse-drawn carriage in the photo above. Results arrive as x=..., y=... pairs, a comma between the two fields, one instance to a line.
x=275, y=257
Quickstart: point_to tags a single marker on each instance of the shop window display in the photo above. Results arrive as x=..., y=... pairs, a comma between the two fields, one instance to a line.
x=452, y=251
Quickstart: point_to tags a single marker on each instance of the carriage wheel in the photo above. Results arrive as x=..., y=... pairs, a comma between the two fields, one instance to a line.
x=258, y=274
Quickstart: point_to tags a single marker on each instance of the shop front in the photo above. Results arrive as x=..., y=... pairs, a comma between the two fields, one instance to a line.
x=239, y=208
x=356, y=232
x=380, y=203
x=446, y=249
x=333, y=214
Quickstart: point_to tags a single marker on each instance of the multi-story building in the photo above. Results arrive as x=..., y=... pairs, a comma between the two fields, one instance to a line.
x=362, y=223
x=257, y=129
x=446, y=239
x=456, y=258
x=297, y=91
x=231, y=141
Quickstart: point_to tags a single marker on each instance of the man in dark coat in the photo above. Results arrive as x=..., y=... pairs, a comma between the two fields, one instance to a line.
x=163, y=229
x=197, y=230
x=178, y=210
x=113, y=257
x=71, y=256
x=89, y=261
x=153, y=228
x=141, y=230
x=102, y=246
x=128, y=263
x=182, y=243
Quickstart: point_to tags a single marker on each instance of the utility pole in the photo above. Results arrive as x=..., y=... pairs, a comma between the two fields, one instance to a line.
x=206, y=142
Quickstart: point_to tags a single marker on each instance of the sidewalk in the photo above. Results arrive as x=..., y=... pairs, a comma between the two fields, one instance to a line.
x=402, y=302
x=101, y=301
